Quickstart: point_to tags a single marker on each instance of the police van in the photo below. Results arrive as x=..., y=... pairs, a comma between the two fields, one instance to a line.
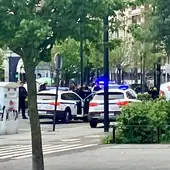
x=69, y=105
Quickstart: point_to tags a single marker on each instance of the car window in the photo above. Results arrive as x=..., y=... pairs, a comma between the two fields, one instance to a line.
x=89, y=98
x=130, y=94
x=46, y=96
x=69, y=96
x=112, y=96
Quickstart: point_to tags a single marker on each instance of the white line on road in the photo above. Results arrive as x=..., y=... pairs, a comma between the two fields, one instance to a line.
x=70, y=140
x=17, y=147
x=60, y=150
x=25, y=150
x=93, y=136
x=26, y=153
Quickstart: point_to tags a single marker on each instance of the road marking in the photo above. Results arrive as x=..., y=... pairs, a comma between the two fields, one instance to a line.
x=93, y=136
x=24, y=129
x=21, y=151
x=79, y=146
x=24, y=150
x=70, y=140
x=18, y=147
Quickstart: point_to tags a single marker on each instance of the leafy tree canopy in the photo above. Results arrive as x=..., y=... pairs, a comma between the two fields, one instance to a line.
x=69, y=50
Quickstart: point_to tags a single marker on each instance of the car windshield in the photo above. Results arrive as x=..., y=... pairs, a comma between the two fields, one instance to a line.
x=112, y=96
x=46, y=96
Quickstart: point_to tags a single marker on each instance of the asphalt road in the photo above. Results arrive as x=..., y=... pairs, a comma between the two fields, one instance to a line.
x=117, y=157
x=77, y=146
x=67, y=138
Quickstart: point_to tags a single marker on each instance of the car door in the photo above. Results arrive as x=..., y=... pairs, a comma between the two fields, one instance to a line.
x=87, y=100
x=74, y=101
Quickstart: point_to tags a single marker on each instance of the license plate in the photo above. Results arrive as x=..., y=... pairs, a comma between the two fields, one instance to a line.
x=110, y=114
x=42, y=112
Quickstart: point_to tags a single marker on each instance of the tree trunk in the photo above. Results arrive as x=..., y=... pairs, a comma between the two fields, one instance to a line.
x=37, y=153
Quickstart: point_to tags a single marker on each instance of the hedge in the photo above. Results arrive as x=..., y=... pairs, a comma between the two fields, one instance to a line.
x=144, y=122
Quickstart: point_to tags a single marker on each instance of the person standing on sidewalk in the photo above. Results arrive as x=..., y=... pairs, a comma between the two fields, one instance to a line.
x=22, y=97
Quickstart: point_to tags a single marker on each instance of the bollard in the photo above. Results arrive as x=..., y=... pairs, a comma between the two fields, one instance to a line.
x=114, y=135
x=158, y=131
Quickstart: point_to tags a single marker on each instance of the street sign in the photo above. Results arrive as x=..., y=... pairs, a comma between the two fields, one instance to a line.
x=58, y=61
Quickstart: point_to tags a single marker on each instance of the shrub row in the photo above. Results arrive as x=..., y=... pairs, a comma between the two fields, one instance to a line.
x=145, y=122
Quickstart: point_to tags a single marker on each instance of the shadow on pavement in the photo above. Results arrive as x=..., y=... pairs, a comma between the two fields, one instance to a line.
x=51, y=122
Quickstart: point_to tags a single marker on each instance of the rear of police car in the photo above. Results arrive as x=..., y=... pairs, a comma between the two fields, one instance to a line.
x=117, y=99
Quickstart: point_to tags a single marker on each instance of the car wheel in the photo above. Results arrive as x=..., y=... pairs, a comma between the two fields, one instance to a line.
x=93, y=123
x=67, y=116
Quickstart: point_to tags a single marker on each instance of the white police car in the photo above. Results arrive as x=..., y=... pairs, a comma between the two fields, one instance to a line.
x=69, y=105
x=120, y=96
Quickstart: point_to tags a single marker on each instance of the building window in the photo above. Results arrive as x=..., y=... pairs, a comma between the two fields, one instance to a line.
x=136, y=19
x=134, y=7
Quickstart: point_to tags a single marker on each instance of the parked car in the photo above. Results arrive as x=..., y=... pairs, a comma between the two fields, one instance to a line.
x=69, y=105
x=117, y=98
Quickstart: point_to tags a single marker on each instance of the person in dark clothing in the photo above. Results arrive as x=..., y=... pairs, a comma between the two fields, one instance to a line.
x=86, y=90
x=43, y=87
x=22, y=97
x=153, y=92
x=97, y=87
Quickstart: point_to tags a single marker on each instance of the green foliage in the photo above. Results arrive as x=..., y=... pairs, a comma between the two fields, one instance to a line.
x=145, y=46
x=144, y=97
x=1, y=65
x=162, y=22
x=69, y=50
x=141, y=123
x=107, y=139
x=119, y=55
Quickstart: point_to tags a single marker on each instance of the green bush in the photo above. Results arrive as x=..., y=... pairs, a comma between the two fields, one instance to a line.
x=144, y=97
x=107, y=139
x=144, y=122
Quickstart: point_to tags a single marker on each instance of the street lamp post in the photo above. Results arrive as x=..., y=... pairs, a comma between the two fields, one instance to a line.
x=106, y=74
x=58, y=65
x=81, y=61
x=158, y=73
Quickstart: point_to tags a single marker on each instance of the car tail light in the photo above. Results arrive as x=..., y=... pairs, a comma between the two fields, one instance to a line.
x=122, y=103
x=54, y=104
x=93, y=104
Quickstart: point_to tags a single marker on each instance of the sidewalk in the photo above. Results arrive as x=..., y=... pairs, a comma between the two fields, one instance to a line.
x=48, y=136
x=129, y=157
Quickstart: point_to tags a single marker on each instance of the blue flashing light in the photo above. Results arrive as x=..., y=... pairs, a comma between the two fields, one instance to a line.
x=123, y=87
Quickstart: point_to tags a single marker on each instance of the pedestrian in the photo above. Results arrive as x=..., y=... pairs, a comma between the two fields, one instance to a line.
x=43, y=87
x=97, y=87
x=153, y=92
x=22, y=97
x=80, y=92
x=86, y=90
x=71, y=87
